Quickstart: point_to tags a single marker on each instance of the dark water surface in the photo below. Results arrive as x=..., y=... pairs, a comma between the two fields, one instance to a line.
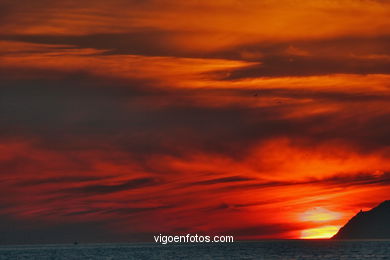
x=284, y=249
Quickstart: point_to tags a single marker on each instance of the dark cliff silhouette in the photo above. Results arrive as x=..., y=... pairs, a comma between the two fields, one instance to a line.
x=372, y=224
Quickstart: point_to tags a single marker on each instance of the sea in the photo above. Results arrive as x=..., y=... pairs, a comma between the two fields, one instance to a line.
x=280, y=249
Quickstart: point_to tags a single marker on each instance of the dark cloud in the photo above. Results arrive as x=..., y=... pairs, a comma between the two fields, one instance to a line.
x=223, y=180
x=318, y=95
x=282, y=66
x=79, y=111
x=18, y=164
x=106, y=189
x=82, y=212
x=77, y=100
x=43, y=232
x=134, y=210
x=237, y=206
x=141, y=41
x=357, y=179
x=348, y=55
x=332, y=47
x=336, y=180
x=61, y=180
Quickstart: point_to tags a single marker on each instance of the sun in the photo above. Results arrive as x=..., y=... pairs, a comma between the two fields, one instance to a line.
x=320, y=215
x=319, y=232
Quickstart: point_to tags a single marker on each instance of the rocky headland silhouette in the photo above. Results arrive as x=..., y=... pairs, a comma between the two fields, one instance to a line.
x=372, y=224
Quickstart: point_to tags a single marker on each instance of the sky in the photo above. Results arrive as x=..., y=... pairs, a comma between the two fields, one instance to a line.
x=125, y=119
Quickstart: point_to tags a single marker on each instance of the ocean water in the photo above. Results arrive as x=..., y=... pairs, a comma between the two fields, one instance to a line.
x=287, y=249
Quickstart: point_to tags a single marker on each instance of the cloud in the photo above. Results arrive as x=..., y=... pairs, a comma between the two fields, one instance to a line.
x=277, y=66
x=334, y=55
x=139, y=42
x=358, y=179
x=131, y=211
x=18, y=231
x=61, y=179
x=237, y=206
x=105, y=189
x=335, y=180
x=229, y=179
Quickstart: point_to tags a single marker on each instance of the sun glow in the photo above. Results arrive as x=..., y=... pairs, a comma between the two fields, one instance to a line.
x=319, y=214
x=319, y=232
